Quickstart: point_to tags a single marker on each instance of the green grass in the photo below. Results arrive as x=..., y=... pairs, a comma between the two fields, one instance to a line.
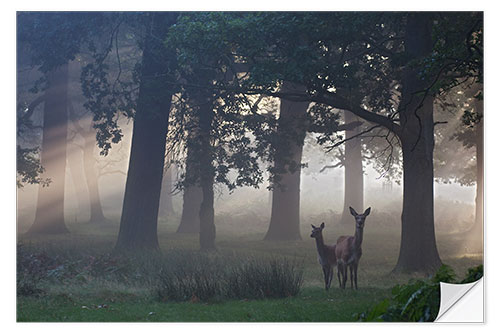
x=134, y=300
x=312, y=304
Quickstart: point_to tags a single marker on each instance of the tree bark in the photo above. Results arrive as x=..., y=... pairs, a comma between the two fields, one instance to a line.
x=49, y=216
x=353, y=172
x=418, y=251
x=285, y=208
x=139, y=220
x=190, y=219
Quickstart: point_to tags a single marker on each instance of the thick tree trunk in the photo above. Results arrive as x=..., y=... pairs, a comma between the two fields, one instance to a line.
x=207, y=215
x=49, y=216
x=190, y=219
x=89, y=166
x=285, y=208
x=418, y=251
x=353, y=172
x=138, y=225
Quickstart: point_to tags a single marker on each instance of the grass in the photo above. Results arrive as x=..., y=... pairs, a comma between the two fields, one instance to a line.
x=105, y=298
x=312, y=305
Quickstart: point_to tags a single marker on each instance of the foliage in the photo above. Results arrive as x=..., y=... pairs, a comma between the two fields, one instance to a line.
x=460, y=112
x=205, y=278
x=54, y=38
x=133, y=297
x=38, y=268
x=458, y=51
x=419, y=299
x=28, y=167
x=265, y=279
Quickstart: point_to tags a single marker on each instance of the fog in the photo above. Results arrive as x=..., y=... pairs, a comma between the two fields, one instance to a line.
x=321, y=196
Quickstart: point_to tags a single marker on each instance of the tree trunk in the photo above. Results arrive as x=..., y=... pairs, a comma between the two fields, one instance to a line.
x=285, y=208
x=190, y=219
x=353, y=172
x=75, y=166
x=166, y=204
x=138, y=225
x=89, y=166
x=49, y=218
x=207, y=215
x=418, y=251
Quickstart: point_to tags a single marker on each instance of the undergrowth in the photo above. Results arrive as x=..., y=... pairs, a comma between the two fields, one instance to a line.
x=418, y=300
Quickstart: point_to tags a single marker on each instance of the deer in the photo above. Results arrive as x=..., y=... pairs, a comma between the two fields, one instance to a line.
x=326, y=255
x=348, y=250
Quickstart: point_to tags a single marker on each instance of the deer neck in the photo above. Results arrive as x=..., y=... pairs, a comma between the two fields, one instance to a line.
x=320, y=245
x=358, y=238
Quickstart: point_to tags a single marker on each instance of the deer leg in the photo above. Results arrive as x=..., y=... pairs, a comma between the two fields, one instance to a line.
x=350, y=271
x=339, y=273
x=325, y=275
x=356, y=275
x=344, y=277
x=330, y=276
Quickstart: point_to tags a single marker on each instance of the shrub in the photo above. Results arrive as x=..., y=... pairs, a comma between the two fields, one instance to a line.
x=32, y=269
x=419, y=299
x=205, y=277
x=260, y=279
x=191, y=278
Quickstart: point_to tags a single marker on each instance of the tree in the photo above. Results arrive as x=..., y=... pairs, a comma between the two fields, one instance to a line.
x=468, y=167
x=52, y=40
x=353, y=171
x=192, y=197
x=291, y=131
x=89, y=167
x=49, y=216
x=138, y=225
x=370, y=52
x=166, y=204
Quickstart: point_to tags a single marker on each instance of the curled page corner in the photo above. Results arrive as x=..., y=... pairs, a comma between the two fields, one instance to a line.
x=461, y=303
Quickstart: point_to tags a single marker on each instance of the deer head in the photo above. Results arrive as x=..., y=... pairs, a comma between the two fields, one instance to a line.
x=360, y=218
x=316, y=232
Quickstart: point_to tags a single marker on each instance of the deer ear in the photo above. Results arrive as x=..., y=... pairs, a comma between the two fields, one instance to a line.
x=322, y=225
x=353, y=212
x=367, y=211
x=312, y=225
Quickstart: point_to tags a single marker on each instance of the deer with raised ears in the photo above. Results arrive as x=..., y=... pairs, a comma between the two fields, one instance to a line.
x=326, y=254
x=348, y=249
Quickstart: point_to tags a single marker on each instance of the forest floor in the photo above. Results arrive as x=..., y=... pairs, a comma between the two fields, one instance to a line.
x=73, y=294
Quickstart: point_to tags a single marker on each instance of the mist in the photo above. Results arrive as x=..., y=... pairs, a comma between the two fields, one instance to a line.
x=199, y=158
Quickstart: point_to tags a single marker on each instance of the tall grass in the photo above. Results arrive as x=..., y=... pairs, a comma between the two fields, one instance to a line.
x=179, y=275
x=207, y=277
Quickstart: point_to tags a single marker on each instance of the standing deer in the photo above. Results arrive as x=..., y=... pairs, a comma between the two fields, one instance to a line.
x=348, y=249
x=326, y=255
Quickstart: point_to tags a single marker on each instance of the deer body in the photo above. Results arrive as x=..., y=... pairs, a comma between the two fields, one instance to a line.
x=348, y=250
x=326, y=255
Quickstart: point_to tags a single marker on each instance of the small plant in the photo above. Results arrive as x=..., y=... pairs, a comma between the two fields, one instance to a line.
x=206, y=278
x=265, y=279
x=107, y=266
x=418, y=300
x=195, y=278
